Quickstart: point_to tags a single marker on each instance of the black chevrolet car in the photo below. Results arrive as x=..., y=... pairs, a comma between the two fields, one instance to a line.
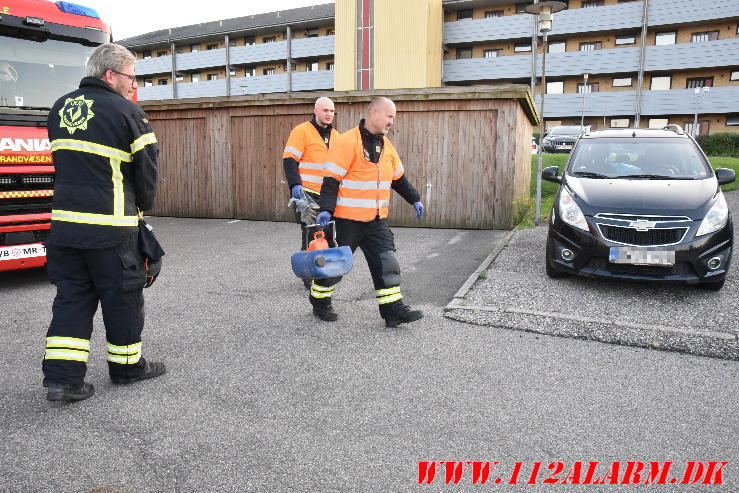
x=561, y=138
x=640, y=204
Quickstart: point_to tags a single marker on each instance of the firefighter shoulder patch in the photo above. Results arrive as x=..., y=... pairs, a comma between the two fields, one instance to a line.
x=75, y=114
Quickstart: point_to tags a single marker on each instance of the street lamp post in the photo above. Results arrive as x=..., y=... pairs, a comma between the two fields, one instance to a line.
x=545, y=11
x=584, y=93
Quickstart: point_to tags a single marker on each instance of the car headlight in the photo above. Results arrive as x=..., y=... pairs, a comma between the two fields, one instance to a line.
x=716, y=217
x=570, y=212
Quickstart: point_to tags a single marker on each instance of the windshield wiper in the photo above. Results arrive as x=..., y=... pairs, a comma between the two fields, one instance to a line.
x=653, y=177
x=589, y=174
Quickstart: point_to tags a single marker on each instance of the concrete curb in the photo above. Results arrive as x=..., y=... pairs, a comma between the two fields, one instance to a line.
x=692, y=341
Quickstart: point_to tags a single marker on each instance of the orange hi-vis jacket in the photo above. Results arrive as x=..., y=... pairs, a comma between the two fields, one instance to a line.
x=309, y=149
x=364, y=186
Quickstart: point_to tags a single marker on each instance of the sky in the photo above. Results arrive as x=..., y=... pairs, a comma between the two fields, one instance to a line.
x=133, y=17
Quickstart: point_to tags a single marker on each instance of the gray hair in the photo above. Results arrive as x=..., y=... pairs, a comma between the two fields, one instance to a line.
x=108, y=56
x=376, y=102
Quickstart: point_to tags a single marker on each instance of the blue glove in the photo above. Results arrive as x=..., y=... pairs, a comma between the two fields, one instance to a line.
x=323, y=218
x=296, y=192
x=419, y=209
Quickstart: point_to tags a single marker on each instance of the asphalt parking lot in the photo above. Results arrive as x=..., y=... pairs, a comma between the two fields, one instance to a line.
x=514, y=292
x=262, y=397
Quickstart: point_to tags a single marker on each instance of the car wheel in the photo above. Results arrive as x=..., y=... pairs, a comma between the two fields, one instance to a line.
x=713, y=286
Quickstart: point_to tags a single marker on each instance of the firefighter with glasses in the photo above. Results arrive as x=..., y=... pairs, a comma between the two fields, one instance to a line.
x=105, y=155
x=361, y=170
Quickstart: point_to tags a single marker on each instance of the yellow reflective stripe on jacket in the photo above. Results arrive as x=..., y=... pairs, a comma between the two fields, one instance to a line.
x=68, y=342
x=142, y=142
x=67, y=354
x=118, y=199
x=130, y=349
x=91, y=147
x=89, y=218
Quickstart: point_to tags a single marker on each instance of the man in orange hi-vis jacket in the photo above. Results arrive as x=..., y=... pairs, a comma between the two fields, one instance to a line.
x=304, y=154
x=361, y=170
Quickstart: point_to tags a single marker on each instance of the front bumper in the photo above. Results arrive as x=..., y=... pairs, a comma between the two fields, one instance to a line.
x=591, y=256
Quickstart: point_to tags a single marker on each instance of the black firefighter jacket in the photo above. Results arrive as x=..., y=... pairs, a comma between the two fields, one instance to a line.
x=105, y=154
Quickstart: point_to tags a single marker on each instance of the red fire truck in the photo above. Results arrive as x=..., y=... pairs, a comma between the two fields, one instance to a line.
x=45, y=46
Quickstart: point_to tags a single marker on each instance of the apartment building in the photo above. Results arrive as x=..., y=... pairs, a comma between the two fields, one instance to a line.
x=688, y=45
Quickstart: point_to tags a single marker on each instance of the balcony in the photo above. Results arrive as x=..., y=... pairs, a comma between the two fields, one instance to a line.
x=154, y=92
x=158, y=65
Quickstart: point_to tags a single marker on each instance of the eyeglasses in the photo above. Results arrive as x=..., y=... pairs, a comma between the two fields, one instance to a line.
x=132, y=78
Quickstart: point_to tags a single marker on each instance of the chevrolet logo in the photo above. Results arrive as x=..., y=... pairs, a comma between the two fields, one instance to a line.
x=642, y=225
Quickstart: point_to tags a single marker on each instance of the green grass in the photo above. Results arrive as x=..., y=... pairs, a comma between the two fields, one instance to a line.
x=548, y=189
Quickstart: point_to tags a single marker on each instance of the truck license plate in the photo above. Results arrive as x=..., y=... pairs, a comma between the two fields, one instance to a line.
x=15, y=252
x=641, y=256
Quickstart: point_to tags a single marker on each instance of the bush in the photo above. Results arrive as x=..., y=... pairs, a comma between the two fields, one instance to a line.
x=721, y=144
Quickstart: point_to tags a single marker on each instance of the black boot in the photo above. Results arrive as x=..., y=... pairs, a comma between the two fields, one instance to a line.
x=68, y=393
x=151, y=370
x=400, y=314
x=307, y=283
x=325, y=312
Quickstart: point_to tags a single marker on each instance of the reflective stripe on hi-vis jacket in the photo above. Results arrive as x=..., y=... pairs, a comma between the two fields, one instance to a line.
x=364, y=187
x=308, y=148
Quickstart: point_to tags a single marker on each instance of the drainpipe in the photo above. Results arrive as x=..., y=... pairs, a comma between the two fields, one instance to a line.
x=174, y=70
x=642, y=61
x=289, y=60
x=228, y=66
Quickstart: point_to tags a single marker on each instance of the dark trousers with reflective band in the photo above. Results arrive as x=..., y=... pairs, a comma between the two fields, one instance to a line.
x=377, y=243
x=114, y=278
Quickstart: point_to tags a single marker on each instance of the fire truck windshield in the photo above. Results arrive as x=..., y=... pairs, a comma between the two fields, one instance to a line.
x=34, y=74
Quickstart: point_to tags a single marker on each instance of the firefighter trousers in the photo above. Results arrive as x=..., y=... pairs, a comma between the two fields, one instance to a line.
x=113, y=277
x=377, y=243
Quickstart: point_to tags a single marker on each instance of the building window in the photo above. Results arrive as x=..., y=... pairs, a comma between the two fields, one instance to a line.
x=661, y=83
x=250, y=71
x=699, y=82
x=211, y=47
x=521, y=7
x=311, y=66
x=622, y=82
x=311, y=33
x=702, y=129
x=162, y=82
x=658, y=122
x=232, y=73
x=732, y=120
x=194, y=48
x=493, y=13
x=707, y=36
x=590, y=87
x=178, y=78
x=231, y=42
x=268, y=71
x=492, y=53
x=293, y=67
x=148, y=83
x=196, y=77
x=734, y=75
x=620, y=123
x=521, y=47
x=665, y=38
x=330, y=32
x=180, y=49
x=464, y=14
x=556, y=87
x=464, y=53
x=269, y=39
x=627, y=39
x=146, y=54
x=330, y=66
x=249, y=40
x=591, y=45
x=558, y=47
x=593, y=3
x=212, y=77
x=161, y=53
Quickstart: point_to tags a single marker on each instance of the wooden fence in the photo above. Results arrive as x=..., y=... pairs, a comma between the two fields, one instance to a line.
x=467, y=150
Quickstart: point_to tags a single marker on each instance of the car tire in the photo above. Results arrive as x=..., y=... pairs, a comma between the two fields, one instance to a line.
x=713, y=286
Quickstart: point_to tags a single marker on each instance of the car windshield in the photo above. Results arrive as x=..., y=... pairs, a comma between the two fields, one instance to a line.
x=645, y=158
x=35, y=74
x=565, y=131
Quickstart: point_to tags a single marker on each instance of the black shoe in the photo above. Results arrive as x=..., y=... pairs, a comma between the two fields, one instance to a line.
x=151, y=370
x=307, y=283
x=403, y=315
x=325, y=313
x=68, y=393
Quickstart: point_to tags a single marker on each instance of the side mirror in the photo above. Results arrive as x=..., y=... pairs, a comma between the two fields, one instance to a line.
x=546, y=134
x=550, y=174
x=723, y=175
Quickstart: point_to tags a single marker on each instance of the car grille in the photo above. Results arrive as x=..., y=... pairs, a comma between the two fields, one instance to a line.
x=652, y=237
